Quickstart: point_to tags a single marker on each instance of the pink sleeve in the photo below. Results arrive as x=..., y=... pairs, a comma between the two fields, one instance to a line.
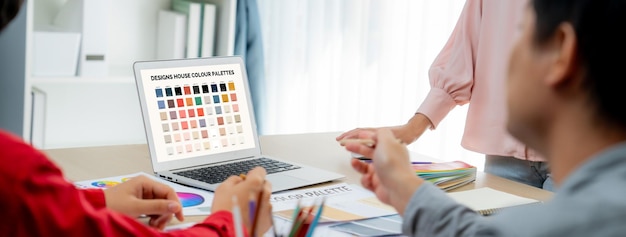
x=452, y=72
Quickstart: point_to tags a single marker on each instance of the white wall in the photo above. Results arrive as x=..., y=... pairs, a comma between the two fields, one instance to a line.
x=338, y=65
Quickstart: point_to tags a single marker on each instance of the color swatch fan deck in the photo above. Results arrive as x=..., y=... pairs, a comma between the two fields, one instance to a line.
x=446, y=175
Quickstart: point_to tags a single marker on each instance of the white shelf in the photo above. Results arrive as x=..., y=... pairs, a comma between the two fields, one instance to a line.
x=78, y=80
x=117, y=75
x=103, y=110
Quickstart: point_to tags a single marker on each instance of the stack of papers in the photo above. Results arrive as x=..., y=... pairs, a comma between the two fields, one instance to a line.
x=446, y=175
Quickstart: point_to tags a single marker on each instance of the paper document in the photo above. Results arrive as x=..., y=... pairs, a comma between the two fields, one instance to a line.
x=194, y=201
x=282, y=226
x=378, y=226
x=344, y=202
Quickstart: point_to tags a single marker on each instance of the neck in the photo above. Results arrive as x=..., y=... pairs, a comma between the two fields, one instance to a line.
x=570, y=148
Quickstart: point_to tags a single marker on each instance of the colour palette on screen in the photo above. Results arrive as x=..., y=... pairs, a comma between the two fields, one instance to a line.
x=199, y=117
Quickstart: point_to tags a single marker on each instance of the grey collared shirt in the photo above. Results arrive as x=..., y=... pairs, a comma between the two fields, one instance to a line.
x=591, y=202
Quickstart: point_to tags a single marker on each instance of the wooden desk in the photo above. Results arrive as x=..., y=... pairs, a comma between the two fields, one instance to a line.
x=317, y=149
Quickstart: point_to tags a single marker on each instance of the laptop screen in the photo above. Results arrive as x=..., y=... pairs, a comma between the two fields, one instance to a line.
x=195, y=111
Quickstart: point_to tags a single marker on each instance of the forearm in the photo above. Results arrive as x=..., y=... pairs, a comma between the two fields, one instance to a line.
x=431, y=212
x=414, y=128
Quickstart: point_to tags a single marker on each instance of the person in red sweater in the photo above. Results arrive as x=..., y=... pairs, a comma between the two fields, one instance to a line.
x=37, y=200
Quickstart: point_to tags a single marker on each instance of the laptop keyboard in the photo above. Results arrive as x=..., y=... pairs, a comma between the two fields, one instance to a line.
x=219, y=173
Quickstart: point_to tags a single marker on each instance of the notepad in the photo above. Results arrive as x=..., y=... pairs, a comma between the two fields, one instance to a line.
x=487, y=201
x=378, y=226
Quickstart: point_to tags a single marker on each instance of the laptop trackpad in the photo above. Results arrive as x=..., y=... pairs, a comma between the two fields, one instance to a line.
x=280, y=182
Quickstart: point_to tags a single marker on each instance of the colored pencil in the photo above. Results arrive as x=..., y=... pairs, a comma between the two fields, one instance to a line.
x=316, y=219
x=257, y=209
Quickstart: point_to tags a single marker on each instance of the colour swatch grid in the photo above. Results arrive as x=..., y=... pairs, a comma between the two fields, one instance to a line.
x=199, y=117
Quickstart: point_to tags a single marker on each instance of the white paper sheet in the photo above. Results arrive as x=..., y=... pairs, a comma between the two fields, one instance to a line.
x=195, y=201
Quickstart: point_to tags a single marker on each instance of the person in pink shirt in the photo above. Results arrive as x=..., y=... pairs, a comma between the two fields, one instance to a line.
x=471, y=69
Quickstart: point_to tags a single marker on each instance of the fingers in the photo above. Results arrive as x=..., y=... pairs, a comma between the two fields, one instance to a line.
x=349, y=134
x=354, y=133
x=232, y=180
x=160, y=221
x=267, y=190
x=367, y=172
x=257, y=172
x=161, y=192
x=362, y=149
x=158, y=207
x=255, y=179
x=388, y=148
x=366, y=181
x=244, y=190
x=386, y=136
x=359, y=166
x=155, y=190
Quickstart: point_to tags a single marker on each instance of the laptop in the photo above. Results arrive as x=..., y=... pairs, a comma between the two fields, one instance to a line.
x=200, y=125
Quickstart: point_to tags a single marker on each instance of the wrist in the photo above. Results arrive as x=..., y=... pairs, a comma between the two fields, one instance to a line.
x=402, y=193
x=415, y=127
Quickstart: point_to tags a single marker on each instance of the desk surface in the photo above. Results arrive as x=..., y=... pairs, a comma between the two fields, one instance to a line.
x=316, y=149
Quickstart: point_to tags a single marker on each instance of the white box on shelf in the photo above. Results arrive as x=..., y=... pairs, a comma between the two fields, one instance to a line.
x=38, y=118
x=171, y=35
x=207, y=45
x=225, y=26
x=193, y=10
x=93, y=58
x=55, y=53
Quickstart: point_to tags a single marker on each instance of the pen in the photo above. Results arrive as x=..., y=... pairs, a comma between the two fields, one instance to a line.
x=367, y=142
x=272, y=222
x=257, y=209
x=369, y=160
x=251, y=208
x=237, y=216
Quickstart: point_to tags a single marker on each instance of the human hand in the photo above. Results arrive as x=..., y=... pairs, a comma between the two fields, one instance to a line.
x=407, y=133
x=246, y=190
x=390, y=175
x=141, y=195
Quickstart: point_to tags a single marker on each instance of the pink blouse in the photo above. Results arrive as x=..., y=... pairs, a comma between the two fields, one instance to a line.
x=471, y=68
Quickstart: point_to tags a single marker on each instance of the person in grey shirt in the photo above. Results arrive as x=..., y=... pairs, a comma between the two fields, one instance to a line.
x=564, y=100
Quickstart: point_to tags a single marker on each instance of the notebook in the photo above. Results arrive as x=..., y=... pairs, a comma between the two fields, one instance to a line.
x=200, y=125
x=487, y=201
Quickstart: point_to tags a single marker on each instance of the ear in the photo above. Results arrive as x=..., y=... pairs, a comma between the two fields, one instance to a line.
x=563, y=49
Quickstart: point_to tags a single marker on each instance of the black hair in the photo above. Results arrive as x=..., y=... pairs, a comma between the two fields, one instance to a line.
x=8, y=10
x=599, y=26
